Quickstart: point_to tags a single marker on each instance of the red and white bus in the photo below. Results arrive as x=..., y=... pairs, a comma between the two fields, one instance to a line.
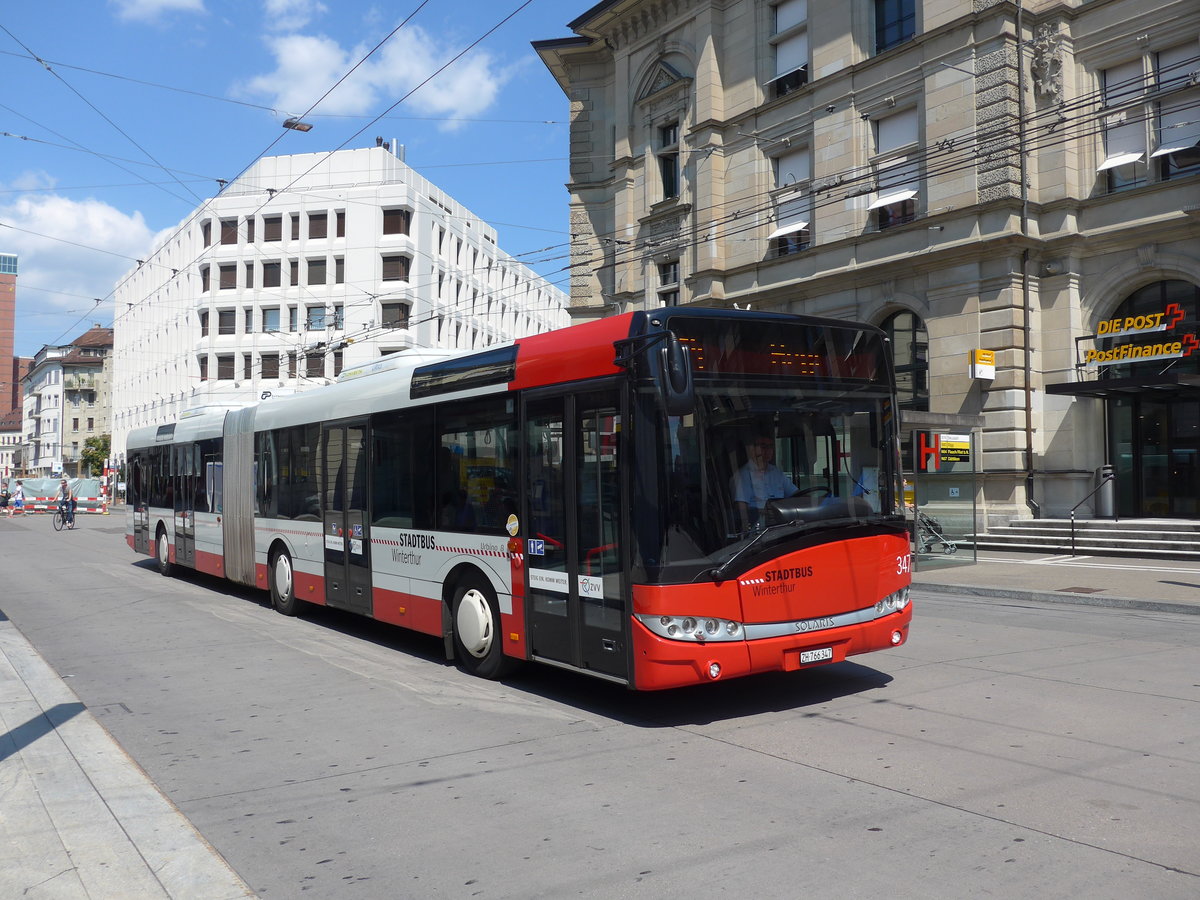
x=601, y=498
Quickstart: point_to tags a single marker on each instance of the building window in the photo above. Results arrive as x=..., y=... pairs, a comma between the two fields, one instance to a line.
x=316, y=271
x=396, y=221
x=1124, y=163
x=791, y=231
x=292, y=365
x=272, y=228
x=225, y=367
x=897, y=170
x=247, y=367
x=340, y=219
x=395, y=315
x=249, y=229
x=226, y=321
x=270, y=365
x=206, y=232
x=337, y=363
x=293, y=318
x=339, y=316
x=270, y=319
x=204, y=279
x=395, y=268
x=314, y=364
x=339, y=271
x=204, y=368
x=74, y=424
x=204, y=323
x=910, y=355
x=318, y=225
x=789, y=46
x=315, y=318
x=91, y=424
x=1177, y=124
x=295, y=226
x=294, y=272
x=271, y=274
x=229, y=231
x=895, y=23
x=248, y=325
x=228, y=276
x=249, y=274
x=668, y=160
x=668, y=282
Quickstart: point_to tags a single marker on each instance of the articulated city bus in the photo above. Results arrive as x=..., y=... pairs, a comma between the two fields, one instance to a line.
x=658, y=499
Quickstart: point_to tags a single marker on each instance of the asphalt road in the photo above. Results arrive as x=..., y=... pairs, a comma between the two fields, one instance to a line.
x=1009, y=749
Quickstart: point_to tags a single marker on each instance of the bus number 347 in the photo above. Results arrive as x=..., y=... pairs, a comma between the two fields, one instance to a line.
x=904, y=564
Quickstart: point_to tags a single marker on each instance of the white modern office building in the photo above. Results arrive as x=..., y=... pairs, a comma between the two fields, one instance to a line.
x=302, y=266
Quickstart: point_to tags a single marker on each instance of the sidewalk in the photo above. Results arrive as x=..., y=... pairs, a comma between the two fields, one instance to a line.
x=1157, y=585
x=78, y=817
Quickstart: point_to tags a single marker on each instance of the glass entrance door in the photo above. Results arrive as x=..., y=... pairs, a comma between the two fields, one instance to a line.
x=577, y=601
x=1155, y=445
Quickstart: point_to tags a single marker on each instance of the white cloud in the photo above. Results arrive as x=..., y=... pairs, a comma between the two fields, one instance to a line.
x=150, y=10
x=60, y=244
x=307, y=66
x=291, y=15
x=32, y=180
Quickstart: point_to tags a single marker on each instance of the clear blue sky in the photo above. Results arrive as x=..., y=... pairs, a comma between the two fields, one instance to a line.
x=148, y=102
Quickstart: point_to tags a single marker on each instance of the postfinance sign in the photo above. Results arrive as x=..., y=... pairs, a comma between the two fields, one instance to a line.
x=1171, y=348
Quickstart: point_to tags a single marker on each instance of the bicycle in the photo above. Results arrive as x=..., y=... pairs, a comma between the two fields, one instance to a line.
x=60, y=517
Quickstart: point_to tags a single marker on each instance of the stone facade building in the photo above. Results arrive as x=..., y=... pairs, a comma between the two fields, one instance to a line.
x=971, y=175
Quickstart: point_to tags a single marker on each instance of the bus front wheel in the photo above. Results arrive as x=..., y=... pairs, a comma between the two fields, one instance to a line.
x=477, y=636
x=162, y=552
x=283, y=584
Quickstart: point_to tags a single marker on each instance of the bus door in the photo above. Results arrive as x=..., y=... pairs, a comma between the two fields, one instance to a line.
x=138, y=497
x=347, y=528
x=185, y=512
x=575, y=588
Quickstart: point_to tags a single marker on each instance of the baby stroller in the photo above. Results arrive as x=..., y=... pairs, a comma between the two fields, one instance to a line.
x=929, y=535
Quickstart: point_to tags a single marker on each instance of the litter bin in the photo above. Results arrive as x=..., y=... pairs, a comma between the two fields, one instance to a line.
x=1106, y=495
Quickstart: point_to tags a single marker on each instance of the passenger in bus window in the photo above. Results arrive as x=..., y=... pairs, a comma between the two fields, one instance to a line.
x=758, y=481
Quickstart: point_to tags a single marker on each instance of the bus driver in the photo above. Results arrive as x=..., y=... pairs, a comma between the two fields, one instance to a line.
x=758, y=481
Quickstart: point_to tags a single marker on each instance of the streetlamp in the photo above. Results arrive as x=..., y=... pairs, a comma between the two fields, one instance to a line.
x=296, y=124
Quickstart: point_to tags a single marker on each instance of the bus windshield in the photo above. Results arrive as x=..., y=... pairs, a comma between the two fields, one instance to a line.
x=812, y=449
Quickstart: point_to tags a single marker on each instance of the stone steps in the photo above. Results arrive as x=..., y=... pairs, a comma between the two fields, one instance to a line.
x=1150, y=538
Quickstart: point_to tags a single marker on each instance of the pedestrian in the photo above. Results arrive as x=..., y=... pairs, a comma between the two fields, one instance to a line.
x=4, y=496
x=16, y=503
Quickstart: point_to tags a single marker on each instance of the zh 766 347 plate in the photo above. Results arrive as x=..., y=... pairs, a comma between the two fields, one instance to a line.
x=812, y=656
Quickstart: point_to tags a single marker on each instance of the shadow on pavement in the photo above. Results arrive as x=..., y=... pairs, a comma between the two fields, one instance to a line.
x=16, y=740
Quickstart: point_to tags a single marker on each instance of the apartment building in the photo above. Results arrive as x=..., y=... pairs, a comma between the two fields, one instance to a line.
x=990, y=182
x=67, y=399
x=303, y=266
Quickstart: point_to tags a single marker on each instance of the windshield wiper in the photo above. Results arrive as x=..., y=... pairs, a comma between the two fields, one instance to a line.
x=718, y=573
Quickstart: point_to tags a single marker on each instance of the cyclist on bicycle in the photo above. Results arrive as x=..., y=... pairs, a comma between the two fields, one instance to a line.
x=66, y=503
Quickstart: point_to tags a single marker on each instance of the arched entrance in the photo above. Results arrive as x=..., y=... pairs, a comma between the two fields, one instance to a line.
x=1148, y=354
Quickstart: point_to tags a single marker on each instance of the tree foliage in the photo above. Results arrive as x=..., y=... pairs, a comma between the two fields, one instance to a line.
x=95, y=453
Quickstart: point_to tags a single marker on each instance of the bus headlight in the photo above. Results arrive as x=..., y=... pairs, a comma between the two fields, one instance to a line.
x=693, y=628
x=892, y=602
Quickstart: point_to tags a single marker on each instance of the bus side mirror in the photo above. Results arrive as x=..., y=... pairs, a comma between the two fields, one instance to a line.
x=679, y=392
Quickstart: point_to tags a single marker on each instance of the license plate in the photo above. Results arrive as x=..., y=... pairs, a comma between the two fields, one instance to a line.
x=812, y=656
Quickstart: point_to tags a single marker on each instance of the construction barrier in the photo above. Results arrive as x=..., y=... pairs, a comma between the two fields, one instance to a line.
x=41, y=494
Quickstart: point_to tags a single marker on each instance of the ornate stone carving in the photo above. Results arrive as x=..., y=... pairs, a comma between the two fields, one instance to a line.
x=1047, y=62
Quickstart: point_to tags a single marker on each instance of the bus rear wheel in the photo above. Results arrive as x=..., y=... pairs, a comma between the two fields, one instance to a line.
x=162, y=552
x=478, y=640
x=283, y=584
